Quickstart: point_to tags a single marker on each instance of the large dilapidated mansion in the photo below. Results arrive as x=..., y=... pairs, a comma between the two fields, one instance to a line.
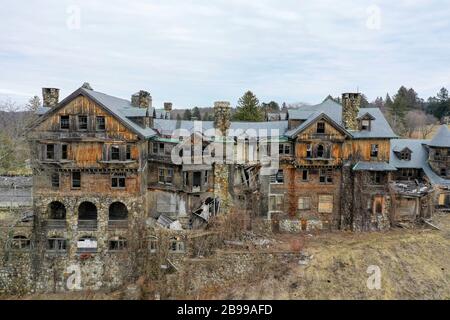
x=107, y=170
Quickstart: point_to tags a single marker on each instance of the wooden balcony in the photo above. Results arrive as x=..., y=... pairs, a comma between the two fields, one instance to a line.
x=87, y=225
x=117, y=224
x=56, y=224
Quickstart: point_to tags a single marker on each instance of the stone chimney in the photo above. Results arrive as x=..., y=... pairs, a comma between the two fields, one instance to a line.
x=168, y=106
x=50, y=97
x=87, y=86
x=222, y=116
x=350, y=108
x=141, y=99
x=148, y=119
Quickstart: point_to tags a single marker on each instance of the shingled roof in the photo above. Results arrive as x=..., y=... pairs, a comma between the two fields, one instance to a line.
x=442, y=138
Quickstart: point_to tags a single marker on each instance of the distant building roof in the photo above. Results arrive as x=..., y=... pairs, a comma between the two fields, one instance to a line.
x=442, y=138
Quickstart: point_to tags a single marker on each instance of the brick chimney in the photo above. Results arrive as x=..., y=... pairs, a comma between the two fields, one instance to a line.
x=50, y=97
x=222, y=116
x=141, y=99
x=168, y=106
x=350, y=108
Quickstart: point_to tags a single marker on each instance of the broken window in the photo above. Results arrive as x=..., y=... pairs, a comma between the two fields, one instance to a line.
x=176, y=245
x=443, y=172
x=82, y=123
x=50, y=152
x=55, y=180
x=115, y=153
x=100, y=123
x=76, y=180
x=57, y=211
x=64, y=122
x=304, y=203
x=57, y=244
x=320, y=127
x=284, y=148
x=325, y=204
x=308, y=151
x=118, y=181
x=20, y=242
x=87, y=244
x=374, y=150
x=117, y=244
x=186, y=178
x=320, y=151
x=326, y=175
x=169, y=177
x=376, y=177
x=128, y=152
x=365, y=125
x=153, y=245
x=276, y=202
x=155, y=147
x=197, y=179
x=161, y=148
x=277, y=178
x=64, y=151
x=305, y=174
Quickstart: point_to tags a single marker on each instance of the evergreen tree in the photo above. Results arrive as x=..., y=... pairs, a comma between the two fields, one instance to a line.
x=187, y=115
x=439, y=106
x=196, y=114
x=248, y=108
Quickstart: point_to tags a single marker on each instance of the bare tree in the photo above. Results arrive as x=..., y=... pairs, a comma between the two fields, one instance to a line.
x=418, y=123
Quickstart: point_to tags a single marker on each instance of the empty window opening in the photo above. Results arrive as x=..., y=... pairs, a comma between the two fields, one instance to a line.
x=117, y=244
x=100, y=123
x=57, y=211
x=365, y=125
x=87, y=211
x=118, y=181
x=20, y=242
x=57, y=244
x=50, y=152
x=405, y=156
x=443, y=172
x=373, y=150
x=64, y=122
x=82, y=123
x=376, y=177
x=308, y=151
x=128, y=153
x=176, y=245
x=320, y=127
x=118, y=211
x=76, y=180
x=197, y=179
x=64, y=151
x=320, y=151
x=305, y=175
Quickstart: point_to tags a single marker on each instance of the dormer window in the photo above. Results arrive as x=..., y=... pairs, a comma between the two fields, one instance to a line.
x=365, y=122
x=404, y=154
x=320, y=127
x=365, y=125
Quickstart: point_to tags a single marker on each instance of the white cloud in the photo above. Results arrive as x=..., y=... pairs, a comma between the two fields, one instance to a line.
x=195, y=52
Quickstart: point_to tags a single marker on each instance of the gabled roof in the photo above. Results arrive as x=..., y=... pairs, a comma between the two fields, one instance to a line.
x=366, y=116
x=121, y=109
x=442, y=138
x=311, y=120
x=380, y=128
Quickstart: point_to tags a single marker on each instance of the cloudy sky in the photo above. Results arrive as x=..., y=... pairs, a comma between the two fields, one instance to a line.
x=196, y=52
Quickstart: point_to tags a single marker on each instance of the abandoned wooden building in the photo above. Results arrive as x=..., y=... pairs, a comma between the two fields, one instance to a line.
x=104, y=168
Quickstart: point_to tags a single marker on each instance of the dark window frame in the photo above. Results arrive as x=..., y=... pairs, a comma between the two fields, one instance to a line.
x=50, y=152
x=115, y=153
x=100, y=123
x=82, y=122
x=118, y=181
x=78, y=179
x=374, y=150
x=320, y=127
x=64, y=122
x=55, y=180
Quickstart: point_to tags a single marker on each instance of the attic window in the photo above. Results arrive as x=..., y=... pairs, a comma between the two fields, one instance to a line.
x=100, y=123
x=82, y=123
x=405, y=155
x=64, y=122
x=320, y=127
x=365, y=125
